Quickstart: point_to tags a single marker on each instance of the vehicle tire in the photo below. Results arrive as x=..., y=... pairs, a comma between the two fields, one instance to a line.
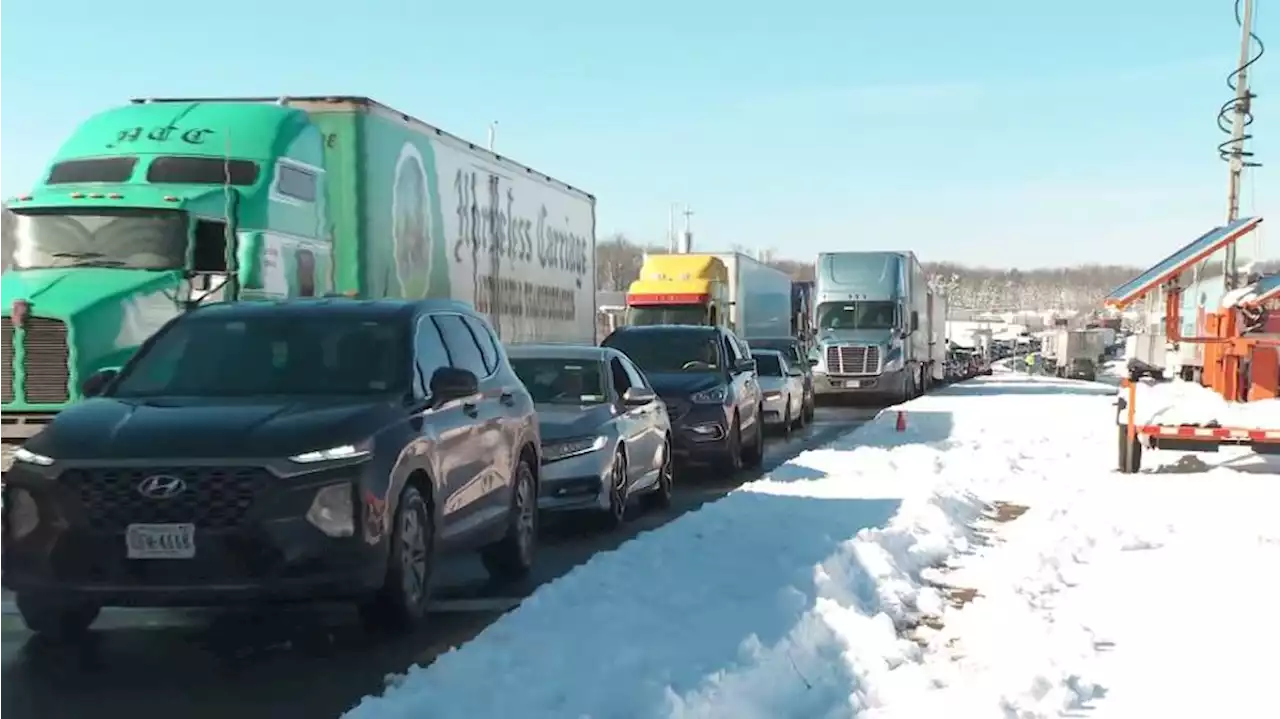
x=810, y=409
x=401, y=602
x=59, y=620
x=616, y=515
x=787, y=423
x=662, y=495
x=799, y=419
x=732, y=460
x=753, y=454
x=511, y=558
x=1129, y=459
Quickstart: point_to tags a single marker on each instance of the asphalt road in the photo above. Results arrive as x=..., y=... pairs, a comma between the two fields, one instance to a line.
x=305, y=661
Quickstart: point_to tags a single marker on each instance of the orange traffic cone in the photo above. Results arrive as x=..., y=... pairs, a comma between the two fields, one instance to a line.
x=902, y=421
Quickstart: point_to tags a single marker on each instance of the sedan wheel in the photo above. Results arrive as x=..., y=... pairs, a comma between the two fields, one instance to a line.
x=616, y=515
x=660, y=497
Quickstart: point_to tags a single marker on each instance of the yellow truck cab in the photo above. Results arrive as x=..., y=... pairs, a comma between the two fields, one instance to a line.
x=684, y=289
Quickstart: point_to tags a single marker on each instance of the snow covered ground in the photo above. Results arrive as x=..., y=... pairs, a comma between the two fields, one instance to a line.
x=987, y=562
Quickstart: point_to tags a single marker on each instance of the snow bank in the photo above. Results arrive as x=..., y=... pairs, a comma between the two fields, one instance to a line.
x=786, y=598
x=1115, y=598
x=1179, y=402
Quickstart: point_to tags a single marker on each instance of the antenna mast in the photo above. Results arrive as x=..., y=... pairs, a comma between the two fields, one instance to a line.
x=1233, y=151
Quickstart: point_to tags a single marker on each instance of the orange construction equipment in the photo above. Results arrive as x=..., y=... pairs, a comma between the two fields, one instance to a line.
x=1241, y=351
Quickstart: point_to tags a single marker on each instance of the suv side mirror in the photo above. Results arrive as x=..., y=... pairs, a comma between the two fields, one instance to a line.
x=94, y=384
x=450, y=383
x=746, y=365
x=793, y=372
x=638, y=396
x=813, y=362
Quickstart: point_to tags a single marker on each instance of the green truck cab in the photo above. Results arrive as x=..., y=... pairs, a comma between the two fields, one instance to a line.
x=154, y=207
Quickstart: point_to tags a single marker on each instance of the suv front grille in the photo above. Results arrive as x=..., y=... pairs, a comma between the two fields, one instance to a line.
x=214, y=498
x=853, y=360
x=676, y=408
x=44, y=361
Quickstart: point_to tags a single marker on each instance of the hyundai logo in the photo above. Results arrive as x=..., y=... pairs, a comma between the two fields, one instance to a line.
x=161, y=486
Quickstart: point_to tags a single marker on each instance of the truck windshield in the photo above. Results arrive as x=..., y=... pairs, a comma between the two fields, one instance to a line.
x=271, y=355
x=858, y=315
x=667, y=315
x=137, y=239
x=561, y=381
x=672, y=350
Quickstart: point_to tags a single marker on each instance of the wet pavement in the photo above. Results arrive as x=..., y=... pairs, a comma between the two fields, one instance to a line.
x=314, y=661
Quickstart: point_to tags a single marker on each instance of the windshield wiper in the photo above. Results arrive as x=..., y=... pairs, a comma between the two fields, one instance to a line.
x=89, y=259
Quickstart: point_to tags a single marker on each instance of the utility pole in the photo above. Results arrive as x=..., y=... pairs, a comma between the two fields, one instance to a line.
x=686, y=241
x=673, y=240
x=1236, y=154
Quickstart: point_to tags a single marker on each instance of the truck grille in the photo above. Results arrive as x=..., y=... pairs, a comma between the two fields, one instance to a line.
x=853, y=360
x=44, y=361
x=214, y=498
x=6, y=357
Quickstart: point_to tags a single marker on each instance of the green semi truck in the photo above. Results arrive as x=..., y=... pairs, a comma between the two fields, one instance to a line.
x=152, y=208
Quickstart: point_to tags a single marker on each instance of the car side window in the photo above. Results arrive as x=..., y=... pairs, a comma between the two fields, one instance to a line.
x=635, y=375
x=731, y=353
x=486, y=342
x=464, y=353
x=429, y=351
x=621, y=383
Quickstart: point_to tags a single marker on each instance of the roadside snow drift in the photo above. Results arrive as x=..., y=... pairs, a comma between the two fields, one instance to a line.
x=792, y=597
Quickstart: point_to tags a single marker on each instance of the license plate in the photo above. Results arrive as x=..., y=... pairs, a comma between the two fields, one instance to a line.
x=850, y=383
x=160, y=541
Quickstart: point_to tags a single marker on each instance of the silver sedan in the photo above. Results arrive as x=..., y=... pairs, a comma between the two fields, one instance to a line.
x=783, y=388
x=606, y=437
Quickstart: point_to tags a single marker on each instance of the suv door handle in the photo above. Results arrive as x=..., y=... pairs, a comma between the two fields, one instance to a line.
x=507, y=398
x=470, y=409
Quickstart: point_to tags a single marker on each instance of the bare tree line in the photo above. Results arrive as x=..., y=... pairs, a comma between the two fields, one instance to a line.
x=618, y=264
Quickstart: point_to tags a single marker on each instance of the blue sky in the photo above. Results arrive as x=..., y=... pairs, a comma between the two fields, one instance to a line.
x=995, y=132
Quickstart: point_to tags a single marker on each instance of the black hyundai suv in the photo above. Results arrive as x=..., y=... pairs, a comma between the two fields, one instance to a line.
x=299, y=450
x=707, y=379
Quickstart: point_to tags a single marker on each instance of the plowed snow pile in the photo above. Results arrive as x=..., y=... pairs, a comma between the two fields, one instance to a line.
x=829, y=589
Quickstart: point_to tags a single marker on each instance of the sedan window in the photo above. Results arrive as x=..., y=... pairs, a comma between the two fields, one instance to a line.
x=768, y=364
x=561, y=381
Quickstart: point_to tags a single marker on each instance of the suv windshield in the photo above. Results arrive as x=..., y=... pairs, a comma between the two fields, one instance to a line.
x=675, y=350
x=561, y=381
x=858, y=315
x=271, y=355
x=137, y=239
x=767, y=364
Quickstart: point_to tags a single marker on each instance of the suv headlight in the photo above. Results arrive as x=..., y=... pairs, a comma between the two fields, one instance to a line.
x=342, y=451
x=555, y=451
x=715, y=395
x=22, y=454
